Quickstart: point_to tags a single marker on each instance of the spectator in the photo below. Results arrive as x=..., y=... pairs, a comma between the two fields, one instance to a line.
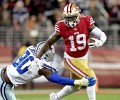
x=20, y=12
x=5, y=15
x=6, y=19
x=31, y=23
x=45, y=26
x=51, y=5
x=110, y=3
x=17, y=36
x=83, y=4
x=58, y=15
x=114, y=13
x=62, y=3
x=33, y=36
x=11, y=4
x=39, y=6
x=29, y=4
x=96, y=10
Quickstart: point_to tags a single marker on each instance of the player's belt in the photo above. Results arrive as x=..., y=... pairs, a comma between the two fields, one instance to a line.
x=5, y=77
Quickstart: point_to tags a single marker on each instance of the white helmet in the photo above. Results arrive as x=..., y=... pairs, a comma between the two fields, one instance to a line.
x=71, y=14
x=49, y=55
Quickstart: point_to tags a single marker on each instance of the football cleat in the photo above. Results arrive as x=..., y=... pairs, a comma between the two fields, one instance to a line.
x=53, y=96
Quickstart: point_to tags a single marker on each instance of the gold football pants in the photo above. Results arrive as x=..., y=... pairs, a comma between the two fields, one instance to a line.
x=78, y=68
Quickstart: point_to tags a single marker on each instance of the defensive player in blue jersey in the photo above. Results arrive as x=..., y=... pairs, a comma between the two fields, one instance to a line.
x=27, y=67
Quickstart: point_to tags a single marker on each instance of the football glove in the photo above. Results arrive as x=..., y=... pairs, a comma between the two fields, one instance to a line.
x=96, y=43
x=85, y=81
x=92, y=81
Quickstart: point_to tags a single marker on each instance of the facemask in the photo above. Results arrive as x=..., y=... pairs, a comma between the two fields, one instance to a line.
x=72, y=23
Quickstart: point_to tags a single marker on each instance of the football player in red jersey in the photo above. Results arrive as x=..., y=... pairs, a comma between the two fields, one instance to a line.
x=75, y=29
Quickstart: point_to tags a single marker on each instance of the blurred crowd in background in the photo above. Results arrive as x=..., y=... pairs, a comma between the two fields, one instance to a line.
x=25, y=22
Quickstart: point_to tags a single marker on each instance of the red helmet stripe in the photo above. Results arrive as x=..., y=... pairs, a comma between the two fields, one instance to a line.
x=67, y=7
x=70, y=8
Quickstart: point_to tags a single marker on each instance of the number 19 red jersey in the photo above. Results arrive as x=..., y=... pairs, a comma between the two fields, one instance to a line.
x=76, y=38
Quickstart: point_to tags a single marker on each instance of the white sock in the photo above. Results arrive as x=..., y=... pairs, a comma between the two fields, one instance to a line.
x=91, y=92
x=67, y=90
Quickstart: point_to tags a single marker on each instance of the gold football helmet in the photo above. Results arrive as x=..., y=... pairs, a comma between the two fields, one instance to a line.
x=71, y=14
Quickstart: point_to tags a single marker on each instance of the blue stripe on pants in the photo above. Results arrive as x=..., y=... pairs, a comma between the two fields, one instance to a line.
x=3, y=87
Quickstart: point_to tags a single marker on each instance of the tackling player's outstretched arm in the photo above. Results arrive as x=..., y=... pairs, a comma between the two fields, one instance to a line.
x=56, y=78
x=49, y=42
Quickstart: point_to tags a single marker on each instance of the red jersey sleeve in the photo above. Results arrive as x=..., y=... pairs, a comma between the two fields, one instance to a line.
x=90, y=21
x=57, y=27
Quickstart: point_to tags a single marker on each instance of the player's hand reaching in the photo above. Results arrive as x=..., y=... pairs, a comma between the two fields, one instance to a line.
x=96, y=43
x=85, y=81
x=91, y=81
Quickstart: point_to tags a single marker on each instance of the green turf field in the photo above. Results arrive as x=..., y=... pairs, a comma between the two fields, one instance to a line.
x=43, y=94
x=70, y=97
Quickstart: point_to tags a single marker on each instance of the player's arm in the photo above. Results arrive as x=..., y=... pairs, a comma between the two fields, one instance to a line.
x=100, y=36
x=56, y=78
x=49, y=42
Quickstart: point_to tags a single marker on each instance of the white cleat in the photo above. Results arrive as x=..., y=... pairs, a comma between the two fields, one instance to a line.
x=53, y=96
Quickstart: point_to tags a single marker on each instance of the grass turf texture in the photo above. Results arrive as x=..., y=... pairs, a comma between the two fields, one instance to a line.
x=70, y=97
